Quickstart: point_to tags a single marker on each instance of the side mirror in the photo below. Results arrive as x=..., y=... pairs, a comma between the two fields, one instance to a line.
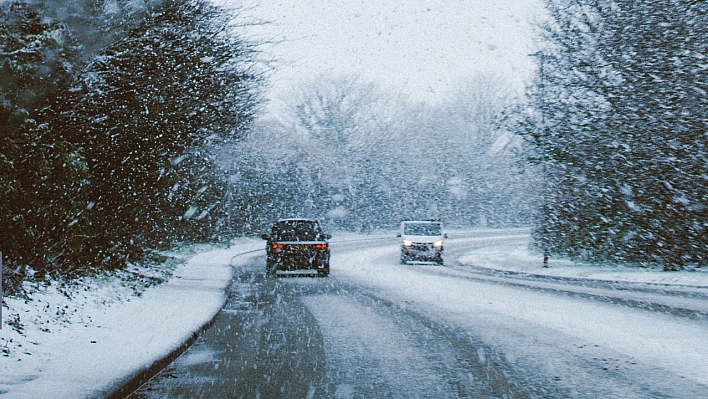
x=398, y=235
x=445, y=235
x=265, y=236
x=327, y=236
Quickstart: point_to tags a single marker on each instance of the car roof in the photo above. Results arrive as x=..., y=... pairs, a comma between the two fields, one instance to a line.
x=296, y=220
x=421, y=221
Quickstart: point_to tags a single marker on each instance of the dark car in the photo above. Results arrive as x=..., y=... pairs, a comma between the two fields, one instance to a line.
x=296, y=245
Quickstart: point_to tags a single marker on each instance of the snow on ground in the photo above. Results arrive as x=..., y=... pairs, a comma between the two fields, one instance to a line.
x=109, y=330
x=517, y=257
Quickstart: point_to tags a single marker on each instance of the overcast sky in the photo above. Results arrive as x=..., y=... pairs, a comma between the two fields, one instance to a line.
x=420, y=47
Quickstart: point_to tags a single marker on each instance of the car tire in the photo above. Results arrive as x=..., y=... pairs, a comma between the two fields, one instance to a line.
x=270, y=269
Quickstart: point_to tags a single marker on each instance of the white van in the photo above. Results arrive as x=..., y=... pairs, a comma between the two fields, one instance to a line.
x=421, y=241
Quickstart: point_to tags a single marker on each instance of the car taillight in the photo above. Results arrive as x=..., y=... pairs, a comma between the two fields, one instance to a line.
x=321, y=246
x=277, y=246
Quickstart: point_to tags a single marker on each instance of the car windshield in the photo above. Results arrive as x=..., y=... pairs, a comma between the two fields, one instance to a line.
x=296, y=230
x=421, y=229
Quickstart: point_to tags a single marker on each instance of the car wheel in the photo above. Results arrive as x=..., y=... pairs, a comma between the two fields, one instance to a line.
x=324, y=270
x=270, y=268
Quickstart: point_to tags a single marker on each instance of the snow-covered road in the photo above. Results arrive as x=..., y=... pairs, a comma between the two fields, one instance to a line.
x=588, y=346
x=379, y=329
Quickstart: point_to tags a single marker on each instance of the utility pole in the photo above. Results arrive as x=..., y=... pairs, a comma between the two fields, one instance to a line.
x=544, y=209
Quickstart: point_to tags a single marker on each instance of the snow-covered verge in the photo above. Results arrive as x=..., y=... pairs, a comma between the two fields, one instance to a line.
x=85, y=339
x=518, y=258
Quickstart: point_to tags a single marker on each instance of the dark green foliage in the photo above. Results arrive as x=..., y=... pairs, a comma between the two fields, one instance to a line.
x=149, y=108
x=622, y=131
x=103, y=160
x=41, y=173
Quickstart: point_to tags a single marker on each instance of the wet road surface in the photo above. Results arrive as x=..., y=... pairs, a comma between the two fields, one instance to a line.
x=305, y=337
x=310, y=337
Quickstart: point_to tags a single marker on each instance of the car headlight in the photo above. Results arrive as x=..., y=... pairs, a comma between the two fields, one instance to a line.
x=438, y=244
x=407, y=243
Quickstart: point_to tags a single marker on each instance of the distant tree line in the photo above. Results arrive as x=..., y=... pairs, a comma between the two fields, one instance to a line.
x=344, y=150
x=110, y=112
x=619, y=124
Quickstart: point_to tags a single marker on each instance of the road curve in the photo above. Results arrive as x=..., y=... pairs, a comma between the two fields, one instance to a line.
x=374, y=329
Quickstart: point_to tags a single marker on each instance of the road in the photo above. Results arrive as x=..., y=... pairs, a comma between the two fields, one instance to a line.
x=376, y=329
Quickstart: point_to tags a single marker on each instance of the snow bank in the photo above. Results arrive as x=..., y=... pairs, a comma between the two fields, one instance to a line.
x=105, y=339
x=517, y=257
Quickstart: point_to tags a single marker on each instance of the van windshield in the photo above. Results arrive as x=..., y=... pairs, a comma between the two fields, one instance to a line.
x=422, y=229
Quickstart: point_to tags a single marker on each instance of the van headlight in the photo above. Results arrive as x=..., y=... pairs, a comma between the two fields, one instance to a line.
x=407, y=243
x=438, y=244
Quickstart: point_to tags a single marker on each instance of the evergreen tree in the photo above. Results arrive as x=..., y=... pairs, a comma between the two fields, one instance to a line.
x=620, y=131
x=111, y=115
x=149, y=107
x=41, y=173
